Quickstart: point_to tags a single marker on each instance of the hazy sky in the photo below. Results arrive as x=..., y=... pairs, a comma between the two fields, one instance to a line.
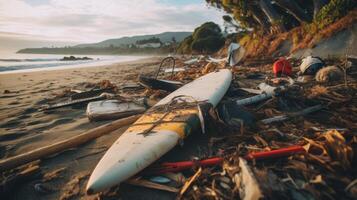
x=95, y=20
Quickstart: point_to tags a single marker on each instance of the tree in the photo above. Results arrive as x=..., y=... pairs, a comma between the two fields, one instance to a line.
x=206, y=38
x=282, y=15
x=294, y=9
x=274, y=18
x=318, y=4
x=150, y=40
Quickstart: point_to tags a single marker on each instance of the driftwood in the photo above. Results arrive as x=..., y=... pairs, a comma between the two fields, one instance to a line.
x=58, y=147
x=285, y=117
x=247, y=183
x=189, y=182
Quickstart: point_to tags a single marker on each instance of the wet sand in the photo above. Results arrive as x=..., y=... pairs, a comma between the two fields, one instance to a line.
x=24, y=128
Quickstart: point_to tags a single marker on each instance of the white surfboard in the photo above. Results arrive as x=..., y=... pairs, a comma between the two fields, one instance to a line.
x=157, y=132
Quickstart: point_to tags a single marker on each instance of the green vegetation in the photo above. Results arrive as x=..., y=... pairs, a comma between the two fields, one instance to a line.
x=205, y=39
x=111, y=50
x=333, y=11
x=150, y=40
x=282, y=15
x=267, y=25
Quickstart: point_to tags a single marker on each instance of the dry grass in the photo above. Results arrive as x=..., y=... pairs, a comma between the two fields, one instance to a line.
x=305, y=36
x=317, y=90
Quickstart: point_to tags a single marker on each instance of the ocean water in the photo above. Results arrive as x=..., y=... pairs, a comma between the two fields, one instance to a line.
x=11, y=62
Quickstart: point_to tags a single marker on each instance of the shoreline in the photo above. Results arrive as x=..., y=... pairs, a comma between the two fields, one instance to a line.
x=95, y=63
x=60, y=75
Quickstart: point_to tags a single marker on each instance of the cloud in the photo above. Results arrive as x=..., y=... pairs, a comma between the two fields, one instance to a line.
x=95, y=20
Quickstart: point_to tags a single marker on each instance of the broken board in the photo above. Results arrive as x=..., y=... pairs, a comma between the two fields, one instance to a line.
x=112, y=109
x=159, y=84
x=159, y=130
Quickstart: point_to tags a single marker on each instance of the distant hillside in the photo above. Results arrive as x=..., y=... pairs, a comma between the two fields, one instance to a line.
x=164, y=37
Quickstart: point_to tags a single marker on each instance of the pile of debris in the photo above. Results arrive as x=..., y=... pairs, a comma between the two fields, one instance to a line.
x=281, y=131
x=287, y=139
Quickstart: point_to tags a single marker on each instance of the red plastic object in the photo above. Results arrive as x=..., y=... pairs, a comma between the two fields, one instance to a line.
x=275, y=153
x=180, y=166
x=184, y=165
x=282, y=66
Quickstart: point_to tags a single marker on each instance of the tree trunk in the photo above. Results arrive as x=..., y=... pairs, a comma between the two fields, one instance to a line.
x=259, y=16
x=60, y=146
x=294, y=9
x=273, y=16
x=318, y=4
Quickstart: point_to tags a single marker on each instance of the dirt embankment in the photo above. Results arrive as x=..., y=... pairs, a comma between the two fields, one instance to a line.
x=331, y=40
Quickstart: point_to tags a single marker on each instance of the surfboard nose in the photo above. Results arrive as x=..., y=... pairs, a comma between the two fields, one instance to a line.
x=101, y=179
x=94, y=185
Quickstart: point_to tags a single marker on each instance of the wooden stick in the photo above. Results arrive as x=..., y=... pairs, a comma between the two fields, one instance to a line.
x=189, y=183
x=149, y=184
x=285, y=117
x=58, y=147
x=247, y=183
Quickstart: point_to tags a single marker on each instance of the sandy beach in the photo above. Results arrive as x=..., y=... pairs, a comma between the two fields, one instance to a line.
x=24, y=128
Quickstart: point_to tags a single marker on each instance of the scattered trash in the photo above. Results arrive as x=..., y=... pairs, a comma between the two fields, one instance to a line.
x=267, y=92
x=181, y=166
x=246, y=182
x=174, y=70
x=161, y=84
x=215, y=60
x=191, y=61
x=283, y=152
x=158, y=84
x=131, y=86
x=318, y=150
x=171, y=62
x=189, y=182
x=160, y=179
x=253, y=91
x=329, y=74
x=210, y=67
x=90, y=93
x=167, y=124
x=72, y=188
x=235, y=54
x=113, y=109
x=285, y=117
x=282, y=67
x=235, y=115
x=310, y=65
x=78, y=101
x=152, y=185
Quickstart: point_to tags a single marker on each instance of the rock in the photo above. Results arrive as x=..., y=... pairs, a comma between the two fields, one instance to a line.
x=7, y=92
x=329, y=74
x=72, y=58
